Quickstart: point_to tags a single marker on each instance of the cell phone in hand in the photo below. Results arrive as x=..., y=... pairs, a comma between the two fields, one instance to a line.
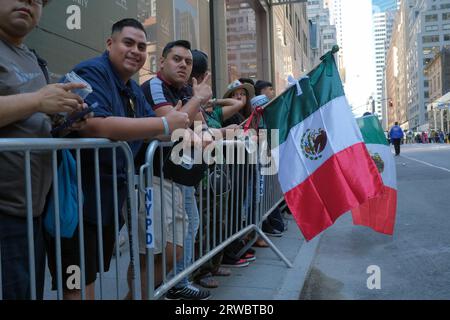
x=74, y=118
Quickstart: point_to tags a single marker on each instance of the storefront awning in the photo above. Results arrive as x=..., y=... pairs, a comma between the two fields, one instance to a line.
x=442, y=103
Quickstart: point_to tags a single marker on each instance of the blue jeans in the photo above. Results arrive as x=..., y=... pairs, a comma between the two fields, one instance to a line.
x=190, y=206
x=15, y=273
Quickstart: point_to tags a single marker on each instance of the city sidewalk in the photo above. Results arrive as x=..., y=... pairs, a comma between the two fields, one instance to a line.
x=267, y=278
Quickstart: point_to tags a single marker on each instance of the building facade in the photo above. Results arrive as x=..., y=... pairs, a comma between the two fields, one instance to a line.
x=385, y=5
x=291, y=43
x=438, y=73
x=429, y=32
x=72, y=31
x=383, y=22
x=325, y=34
x=396, y=72
x=336, y=18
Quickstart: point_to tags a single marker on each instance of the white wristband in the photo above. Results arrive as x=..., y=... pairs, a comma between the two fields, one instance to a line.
x=199, y=98
x=166, y=126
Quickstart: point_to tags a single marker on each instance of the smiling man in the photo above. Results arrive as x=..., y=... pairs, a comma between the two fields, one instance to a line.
x=122, y=114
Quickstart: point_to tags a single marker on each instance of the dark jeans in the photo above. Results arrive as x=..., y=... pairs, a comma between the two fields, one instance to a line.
x=396, y=143
x=15, y=272
x=212, y=265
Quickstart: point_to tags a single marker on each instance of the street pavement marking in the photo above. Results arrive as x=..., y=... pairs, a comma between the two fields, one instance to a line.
x=426, y=163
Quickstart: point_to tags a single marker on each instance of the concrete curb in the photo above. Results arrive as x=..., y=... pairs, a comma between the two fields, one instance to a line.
x=295, y=278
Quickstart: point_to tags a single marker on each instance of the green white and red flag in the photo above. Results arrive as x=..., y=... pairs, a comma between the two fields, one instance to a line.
x=378, y=213
x=324, y=168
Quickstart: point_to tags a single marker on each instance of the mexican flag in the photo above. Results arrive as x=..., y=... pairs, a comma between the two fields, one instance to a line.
x=324, y=167
x=378, y=213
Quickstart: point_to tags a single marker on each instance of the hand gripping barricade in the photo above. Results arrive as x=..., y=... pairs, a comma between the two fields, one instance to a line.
x=28, y=147
x=233, y=199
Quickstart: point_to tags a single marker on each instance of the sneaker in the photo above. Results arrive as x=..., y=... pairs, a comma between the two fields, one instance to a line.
x=276, y=220
x=188, y=293
x=241, y=263
x=248, y=257
x=270, y=231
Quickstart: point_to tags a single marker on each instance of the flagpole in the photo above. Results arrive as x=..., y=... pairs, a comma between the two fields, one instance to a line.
x=333, y=51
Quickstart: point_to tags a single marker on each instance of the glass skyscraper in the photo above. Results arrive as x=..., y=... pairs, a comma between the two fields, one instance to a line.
x=384, y=5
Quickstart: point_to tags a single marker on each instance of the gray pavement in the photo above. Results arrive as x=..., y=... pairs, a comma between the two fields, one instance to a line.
x=415, y=262
x=268, y=278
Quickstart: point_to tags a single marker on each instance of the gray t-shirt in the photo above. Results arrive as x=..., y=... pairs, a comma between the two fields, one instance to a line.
x=20, y=73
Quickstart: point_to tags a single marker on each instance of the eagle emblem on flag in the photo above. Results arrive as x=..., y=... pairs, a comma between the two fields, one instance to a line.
x=313, y=143
x=378, y=162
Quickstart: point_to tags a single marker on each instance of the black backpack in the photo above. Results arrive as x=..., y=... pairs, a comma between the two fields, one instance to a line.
x=186, y=175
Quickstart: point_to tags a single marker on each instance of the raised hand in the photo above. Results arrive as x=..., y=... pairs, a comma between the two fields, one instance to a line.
x=177, y=119
x=202, y=91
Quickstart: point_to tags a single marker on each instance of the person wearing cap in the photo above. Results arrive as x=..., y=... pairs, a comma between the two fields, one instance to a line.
x=243, y=92
x=247, y=80
x=259, y=102
x=265, y=88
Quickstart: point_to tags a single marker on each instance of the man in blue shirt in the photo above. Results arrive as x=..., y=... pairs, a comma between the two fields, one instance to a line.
x=396, y=135
x=122, y=114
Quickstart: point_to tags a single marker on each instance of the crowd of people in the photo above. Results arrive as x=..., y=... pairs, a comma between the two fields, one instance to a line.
x=430, y=136
x=176, y=98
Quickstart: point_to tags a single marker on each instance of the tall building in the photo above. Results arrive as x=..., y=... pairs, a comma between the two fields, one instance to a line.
x=291, y=43
x=385, y=5
x=382, y=26
x=438, y=74
x=325, y=33
x=396, y=71
x=335, y=9
x=242, y=40
x=429, y=32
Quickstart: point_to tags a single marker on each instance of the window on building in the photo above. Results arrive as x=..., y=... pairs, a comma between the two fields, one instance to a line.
x=446, y=37
x=431, y=18
x=446, y=26
x=427, y=51
x=446, y=16
x=428, y=39
x=432, y=28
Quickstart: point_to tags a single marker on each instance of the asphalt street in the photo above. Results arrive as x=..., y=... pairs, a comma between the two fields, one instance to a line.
x=414, y=263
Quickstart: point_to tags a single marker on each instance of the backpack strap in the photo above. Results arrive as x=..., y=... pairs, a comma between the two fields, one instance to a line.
x=43, y=65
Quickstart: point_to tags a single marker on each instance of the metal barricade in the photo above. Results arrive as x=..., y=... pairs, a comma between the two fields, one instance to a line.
x=233, y=196
x=28, y=147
